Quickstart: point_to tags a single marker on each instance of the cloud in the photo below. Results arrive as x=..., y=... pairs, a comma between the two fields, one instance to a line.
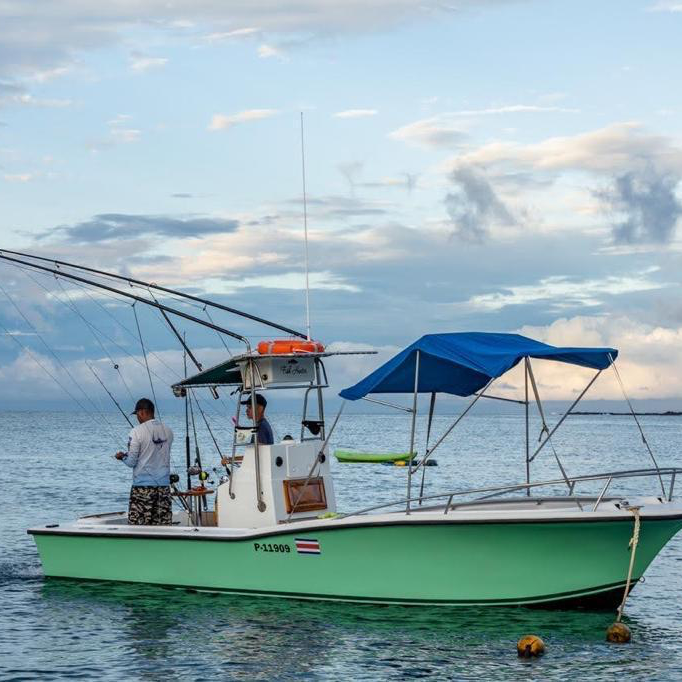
x=52, y=35
x=513, y=109
x=642, y=172
x=449, y=129
x=435, y=132
x=333, y=207
x=223, y=122
x=650, y=357
x=15, y=94
x=270, y=51
x=222, y=36
x=474, y=207
x=610, y=150
x=353, y=170
x=350, y=172
x=18, y=177
x=356, y=113
x=561, y=291
x=406, y=181
x=648, y=204
x=125, y=135
x=140, y=62
x=49, y=74
x=117, y=226
x=120, y=132
x=294, y=281
x=666, y=6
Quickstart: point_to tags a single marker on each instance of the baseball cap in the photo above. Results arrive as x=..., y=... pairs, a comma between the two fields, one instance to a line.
x=260, y=400
x=143, y=404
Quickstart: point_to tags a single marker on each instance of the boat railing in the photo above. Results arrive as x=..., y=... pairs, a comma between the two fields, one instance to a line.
x=497, y=491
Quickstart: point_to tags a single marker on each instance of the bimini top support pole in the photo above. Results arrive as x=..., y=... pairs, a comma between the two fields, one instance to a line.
x=412, y=430
x=561, y=421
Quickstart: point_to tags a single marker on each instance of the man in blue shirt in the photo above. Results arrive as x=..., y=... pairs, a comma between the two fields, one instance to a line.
x=148, y=455
x=265, y=436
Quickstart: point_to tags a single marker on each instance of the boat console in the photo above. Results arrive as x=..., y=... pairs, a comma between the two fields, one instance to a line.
x=288, y=490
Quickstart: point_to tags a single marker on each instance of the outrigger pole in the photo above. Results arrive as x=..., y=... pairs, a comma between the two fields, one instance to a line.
x=149, y=285
x=154, y=304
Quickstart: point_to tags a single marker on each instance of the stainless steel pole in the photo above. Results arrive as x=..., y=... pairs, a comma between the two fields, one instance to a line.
x=561, y=421
x=525, y=372
x=256, y=452
x=414, y=424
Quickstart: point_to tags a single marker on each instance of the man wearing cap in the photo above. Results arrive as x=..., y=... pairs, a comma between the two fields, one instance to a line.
x=148, y=455
x=264, y=430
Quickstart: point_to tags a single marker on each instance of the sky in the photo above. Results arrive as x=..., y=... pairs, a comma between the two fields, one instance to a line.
x=490, y=165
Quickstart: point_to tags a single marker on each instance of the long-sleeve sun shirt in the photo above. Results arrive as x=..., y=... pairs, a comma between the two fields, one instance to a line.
x=149, y=446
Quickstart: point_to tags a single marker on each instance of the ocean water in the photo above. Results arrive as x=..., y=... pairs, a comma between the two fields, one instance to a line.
x=56, y=466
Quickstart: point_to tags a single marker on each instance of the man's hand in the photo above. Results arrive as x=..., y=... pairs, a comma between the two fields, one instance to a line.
x=121, y=455
x=224, y=461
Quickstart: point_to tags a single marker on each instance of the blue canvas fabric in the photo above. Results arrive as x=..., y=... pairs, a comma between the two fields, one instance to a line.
x=464, y=362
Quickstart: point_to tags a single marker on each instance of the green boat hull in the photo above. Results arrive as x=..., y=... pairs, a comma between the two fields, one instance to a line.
x=514, y=563
x=370, y=457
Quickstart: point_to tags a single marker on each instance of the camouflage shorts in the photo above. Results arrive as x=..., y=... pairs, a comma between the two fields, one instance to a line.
x=150, y=506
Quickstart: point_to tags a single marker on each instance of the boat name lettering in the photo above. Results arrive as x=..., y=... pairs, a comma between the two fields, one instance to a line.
x=294, y=369
x=271, y=547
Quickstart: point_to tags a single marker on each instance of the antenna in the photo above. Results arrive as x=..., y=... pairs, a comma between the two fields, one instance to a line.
x=305, y=229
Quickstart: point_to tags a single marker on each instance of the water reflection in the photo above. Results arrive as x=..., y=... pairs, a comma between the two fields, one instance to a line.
x=62, y=629
x=200, y=634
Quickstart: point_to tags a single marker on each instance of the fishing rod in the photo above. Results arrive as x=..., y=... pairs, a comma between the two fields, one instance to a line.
x=120, y=409
x=138, y=282
x=140, y=299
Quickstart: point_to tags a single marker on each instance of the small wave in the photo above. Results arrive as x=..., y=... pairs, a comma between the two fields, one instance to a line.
x=19, y=572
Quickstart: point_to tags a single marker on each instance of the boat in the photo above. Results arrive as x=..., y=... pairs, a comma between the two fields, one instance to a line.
x=274, y=529
x=371, y=457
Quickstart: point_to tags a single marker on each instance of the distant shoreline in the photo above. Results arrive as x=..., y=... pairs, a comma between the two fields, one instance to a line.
x=667, y=413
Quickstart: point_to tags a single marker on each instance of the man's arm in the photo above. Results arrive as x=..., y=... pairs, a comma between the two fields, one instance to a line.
x=130, y=458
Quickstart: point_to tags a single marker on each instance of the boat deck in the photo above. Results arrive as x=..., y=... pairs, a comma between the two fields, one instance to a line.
x=526, y=510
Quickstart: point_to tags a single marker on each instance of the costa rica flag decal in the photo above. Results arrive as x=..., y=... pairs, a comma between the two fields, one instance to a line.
x=307, y=546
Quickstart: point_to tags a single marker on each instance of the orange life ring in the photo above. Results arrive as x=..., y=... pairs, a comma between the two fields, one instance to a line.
x=283, y=346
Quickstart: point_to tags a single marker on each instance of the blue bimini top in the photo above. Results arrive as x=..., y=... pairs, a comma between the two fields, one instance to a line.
x=463, y=363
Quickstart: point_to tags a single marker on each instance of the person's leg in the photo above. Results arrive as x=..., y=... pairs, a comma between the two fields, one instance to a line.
x=140, y=506
x=162, y=511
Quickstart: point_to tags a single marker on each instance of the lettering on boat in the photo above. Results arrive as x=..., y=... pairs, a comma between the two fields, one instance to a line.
x=271, y=547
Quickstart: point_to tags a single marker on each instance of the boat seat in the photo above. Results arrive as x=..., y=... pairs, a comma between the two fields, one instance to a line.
x=313, y=425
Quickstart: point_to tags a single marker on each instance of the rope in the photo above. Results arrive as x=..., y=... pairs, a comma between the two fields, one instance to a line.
x=215, y=442
x=115, y=438
x=66, y=370
x=95, y=331
x=124, y=350
x=639, y=426
x=634, y=540
x=220, y=336
x=72, y=306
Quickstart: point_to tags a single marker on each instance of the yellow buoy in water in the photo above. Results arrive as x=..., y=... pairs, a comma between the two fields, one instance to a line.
x=400, y=463
x=618, y=633
x=530, y=646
